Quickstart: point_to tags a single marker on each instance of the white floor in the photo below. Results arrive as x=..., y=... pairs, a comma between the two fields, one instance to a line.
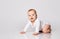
x=28, y=35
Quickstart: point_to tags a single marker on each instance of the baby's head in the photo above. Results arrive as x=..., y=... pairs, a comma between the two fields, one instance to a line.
x=32, y=15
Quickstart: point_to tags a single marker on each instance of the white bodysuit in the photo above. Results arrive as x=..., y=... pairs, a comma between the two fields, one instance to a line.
x=37, y=25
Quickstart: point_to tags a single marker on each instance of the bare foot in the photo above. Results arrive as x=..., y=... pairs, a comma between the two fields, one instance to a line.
x=22, y=32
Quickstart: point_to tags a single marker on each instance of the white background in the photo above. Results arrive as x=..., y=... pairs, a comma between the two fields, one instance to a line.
x=13, y=14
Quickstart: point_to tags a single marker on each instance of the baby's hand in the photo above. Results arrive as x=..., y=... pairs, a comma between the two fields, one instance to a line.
x=22, y=32
x=35, y=33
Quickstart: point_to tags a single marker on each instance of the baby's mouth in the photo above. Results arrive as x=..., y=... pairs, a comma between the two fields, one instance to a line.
x=31, y=18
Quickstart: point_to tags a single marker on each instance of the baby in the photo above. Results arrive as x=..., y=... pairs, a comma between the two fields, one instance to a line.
x=35, y=22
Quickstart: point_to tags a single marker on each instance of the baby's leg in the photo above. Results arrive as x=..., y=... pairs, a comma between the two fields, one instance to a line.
x=46, y=28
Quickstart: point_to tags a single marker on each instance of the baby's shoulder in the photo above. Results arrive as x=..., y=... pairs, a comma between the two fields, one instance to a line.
x=39, y=20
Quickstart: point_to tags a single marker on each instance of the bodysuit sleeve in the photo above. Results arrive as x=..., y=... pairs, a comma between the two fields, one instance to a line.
x=26, y=27
x=38, y=26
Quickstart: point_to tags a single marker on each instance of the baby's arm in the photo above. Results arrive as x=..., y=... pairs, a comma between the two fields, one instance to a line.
x=25, y=29
x=38, y=28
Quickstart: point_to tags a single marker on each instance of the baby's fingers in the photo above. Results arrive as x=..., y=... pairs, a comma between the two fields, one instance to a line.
x=22, y=32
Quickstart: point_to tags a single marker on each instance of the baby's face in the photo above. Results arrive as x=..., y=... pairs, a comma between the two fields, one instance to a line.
x=32, y=16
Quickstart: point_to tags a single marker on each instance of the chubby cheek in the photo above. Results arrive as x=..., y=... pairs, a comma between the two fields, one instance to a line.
x=34, y=17
x=29, y=18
